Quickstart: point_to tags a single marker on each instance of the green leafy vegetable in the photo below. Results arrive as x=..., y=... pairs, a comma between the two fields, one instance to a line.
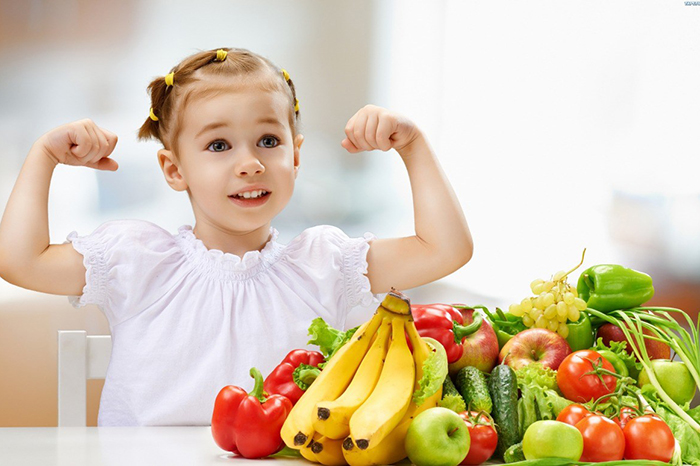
x=328, y=339
x=620, y=349
x=538, y=374
x=539, y=396
x=434, y=372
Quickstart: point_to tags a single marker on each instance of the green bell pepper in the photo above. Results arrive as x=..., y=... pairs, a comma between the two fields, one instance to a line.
x=609, y=287
x=504, y=325
x=580, y=333
x=616, y=362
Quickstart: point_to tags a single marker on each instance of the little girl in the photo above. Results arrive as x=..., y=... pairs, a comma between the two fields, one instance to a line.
x=193, y=311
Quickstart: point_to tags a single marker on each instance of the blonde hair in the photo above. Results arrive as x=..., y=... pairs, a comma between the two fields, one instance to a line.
x=194, y=75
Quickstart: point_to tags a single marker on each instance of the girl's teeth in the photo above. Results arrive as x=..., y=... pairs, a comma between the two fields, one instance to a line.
x=252, y=194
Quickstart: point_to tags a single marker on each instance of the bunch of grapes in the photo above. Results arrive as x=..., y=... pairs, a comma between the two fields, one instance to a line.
x=555, y=303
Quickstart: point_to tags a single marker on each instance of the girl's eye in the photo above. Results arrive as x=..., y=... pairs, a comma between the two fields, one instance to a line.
x=269, y=142
x=218, y=146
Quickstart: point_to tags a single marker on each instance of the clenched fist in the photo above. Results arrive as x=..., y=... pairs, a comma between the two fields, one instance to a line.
x=374, y=127
x=80, y=143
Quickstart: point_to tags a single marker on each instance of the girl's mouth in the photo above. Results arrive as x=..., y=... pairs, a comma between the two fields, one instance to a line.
x=257, y=198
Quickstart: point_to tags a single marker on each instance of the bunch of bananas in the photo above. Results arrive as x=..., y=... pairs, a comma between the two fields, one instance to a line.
x=359, y=408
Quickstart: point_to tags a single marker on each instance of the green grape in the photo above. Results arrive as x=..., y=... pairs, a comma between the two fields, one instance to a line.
x=580, y=304
x=563, y=330
x=569, y=297
x=574, y=313
x=541, y=322
x=516, y=310
x=535, y=284
x=548, y=299
x=562, y=309
x=551, y=311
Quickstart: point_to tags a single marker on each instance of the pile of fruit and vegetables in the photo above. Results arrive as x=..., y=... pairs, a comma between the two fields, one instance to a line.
x=570, y=375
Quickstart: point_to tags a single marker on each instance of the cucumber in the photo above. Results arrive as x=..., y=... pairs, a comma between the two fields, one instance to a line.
x=451, y=399
x=471, y=383
x=503, y=387
x=514, y=453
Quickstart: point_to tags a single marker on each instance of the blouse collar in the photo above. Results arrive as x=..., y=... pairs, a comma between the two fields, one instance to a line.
x=225, y=260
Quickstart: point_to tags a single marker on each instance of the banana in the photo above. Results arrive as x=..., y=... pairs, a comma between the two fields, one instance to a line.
x=391, y=450
x=333, y=416
x=307, y=453
x=387, y=404
x=298, y=428
x=328, y=451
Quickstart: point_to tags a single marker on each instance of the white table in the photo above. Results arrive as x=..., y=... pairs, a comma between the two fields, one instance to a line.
x=120, y=446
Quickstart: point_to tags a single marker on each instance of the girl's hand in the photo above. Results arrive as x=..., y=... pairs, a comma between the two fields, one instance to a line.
x=80, y=143
x=374, y=127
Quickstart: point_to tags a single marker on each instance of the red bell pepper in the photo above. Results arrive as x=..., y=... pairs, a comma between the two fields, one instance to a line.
x=299, y=364
x=444, y=323
x=248, y=424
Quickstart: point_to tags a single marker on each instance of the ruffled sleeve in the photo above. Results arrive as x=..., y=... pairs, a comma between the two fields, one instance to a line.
x=335, y=268
x=126, y=266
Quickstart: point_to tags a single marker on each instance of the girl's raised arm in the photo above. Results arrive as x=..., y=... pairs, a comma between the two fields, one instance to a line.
x=26, y=257
x=442, y=242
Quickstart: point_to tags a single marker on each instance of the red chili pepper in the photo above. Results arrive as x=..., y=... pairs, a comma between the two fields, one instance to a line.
x=444, y=323
x=281, y=379
x=248, y=424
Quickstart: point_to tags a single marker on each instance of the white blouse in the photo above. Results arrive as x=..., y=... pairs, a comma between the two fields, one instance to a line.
x=187, y=321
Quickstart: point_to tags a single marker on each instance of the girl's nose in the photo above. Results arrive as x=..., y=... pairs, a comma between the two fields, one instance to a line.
x=248, y=164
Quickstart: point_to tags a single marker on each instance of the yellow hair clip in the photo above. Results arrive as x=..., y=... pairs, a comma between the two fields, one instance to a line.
x=153, y=115
x=296, y=105
x=286, y=75
x=169, y=79
x=221, y=54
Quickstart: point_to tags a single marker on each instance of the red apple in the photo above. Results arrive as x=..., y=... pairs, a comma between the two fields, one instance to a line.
x=655, y=349
x=480, y=348
x=535, y=345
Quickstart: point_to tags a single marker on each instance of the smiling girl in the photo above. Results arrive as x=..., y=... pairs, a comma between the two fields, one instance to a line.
x=193, y=311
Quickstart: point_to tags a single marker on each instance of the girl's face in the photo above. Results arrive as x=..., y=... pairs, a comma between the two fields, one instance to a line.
x=237, y=158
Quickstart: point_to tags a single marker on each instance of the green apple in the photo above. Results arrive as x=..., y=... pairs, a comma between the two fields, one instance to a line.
x=674, y=377
x=552, y=439
x=437, y=437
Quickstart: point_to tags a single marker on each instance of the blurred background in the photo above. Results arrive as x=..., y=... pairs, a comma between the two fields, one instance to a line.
x=561, y=125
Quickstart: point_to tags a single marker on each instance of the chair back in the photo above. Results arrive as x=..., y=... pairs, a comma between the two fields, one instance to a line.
x=80, y=357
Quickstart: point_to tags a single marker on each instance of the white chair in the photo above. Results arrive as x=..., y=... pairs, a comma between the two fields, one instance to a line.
x=80, y=357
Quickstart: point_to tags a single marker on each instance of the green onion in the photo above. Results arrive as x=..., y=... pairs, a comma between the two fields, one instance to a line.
x=663, y=328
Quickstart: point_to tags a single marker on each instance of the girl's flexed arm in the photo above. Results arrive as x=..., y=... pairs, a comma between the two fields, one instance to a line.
x=442, y=242
x=26, y=257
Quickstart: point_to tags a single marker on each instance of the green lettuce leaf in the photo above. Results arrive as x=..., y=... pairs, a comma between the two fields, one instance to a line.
x=539, y=395
x=619, y=348
x=434, y=372
x=454, y=403
x=536, y=373
x=328, y=339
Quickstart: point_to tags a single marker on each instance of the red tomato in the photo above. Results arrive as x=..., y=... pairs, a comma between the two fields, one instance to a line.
x=573, y=413
x=648, y=437
x=624, y=417
x=483, y=437
x=576, y=384
x=603, y=440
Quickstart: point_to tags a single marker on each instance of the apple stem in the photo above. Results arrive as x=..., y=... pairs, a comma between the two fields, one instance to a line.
x=449, y=434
